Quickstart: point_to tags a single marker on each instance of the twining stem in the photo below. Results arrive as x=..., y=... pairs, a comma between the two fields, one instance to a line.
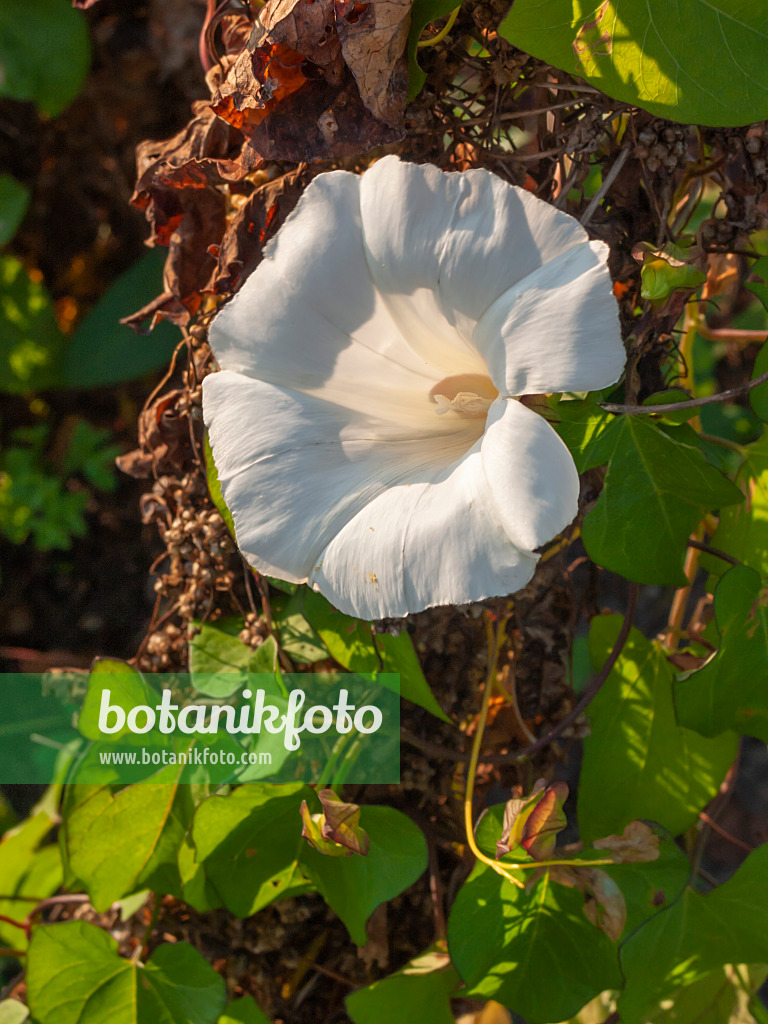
x=422, y=43
x=494, y=646
x=495, y=643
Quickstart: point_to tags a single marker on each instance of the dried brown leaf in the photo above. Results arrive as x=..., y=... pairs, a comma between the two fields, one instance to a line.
x=341, y=823
x=373, y=36
x=637, y=843
x=255, y=222
x=309, y=28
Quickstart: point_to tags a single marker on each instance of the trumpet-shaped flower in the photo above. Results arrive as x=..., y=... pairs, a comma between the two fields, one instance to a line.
x=365, y=423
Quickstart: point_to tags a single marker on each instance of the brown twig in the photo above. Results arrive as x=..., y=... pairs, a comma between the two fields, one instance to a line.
x=700, y=546
x=724, y=834
x=693, y=403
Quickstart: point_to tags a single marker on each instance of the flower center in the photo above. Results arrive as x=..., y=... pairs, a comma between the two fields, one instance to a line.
x=467, y=394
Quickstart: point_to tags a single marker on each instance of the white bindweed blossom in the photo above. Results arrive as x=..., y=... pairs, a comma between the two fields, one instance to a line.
x=365, y=422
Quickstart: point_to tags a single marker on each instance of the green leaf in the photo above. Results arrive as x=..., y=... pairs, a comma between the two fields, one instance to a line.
x=214, y=487
x=243, y=1011
x=74, y=976
x=657, y=489
x=118, y=843
x=660, y=278
x=13, y=1012
x=26, y=868
x=696, y=935
x=90, y=453
x=354, y=645
x=730, y=691
x=14, y=200
x=297, y=638
x=103, y=351
x=717, y=998
x=581, y=426
x=758, y=284
x=44, y=53
x=354, y=886
x=31, y=344
x=743, y=529
x=219, y=660
x=422, y=13
x=127, y=689
x=249, y=843
x=649, y=887
x=534, y=951
x=349, y=641
x=421, y=991
x=656, y=54
x=638, y=762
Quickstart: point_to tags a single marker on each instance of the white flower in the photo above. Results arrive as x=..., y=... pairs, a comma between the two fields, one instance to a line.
x=364, y=423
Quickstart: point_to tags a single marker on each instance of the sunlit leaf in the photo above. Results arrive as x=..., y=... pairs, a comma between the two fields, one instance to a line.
x=656, y=54
x=730, y=691
x=74, y=976
x=695, y=935
x=638, y=762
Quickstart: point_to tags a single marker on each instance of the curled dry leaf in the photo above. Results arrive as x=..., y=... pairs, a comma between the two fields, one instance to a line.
x=259, y=217
x=604, y=902
x=342, y=823
x=373, y=36
x=533, y=822
x=336, y=832
x=637, y=843
x=308, y=27
x=312, y=831
x=293, y=96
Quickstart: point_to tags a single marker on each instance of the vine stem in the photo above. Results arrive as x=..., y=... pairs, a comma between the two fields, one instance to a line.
x=692, y=403
x=422, y=43
x=495, y=641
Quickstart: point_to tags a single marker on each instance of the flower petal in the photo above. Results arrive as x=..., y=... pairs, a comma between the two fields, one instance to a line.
x=530, y=474
x=294, y=469
x=435, y=540
x=309, y=312
x=453, y=243
x=557, y=330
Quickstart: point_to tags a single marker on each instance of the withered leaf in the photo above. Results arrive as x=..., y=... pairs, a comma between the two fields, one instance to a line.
x=342, y=823
x=546, y=819
x=255, y=222
x=604, y=903
x=637, y=843
x=309, y=28
x=312, y=831
x=533, y=822
x=197, y=157
x=259, y=79
x=190, y=263
x=320, y=122
x=290, y=94
x=373, y=37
